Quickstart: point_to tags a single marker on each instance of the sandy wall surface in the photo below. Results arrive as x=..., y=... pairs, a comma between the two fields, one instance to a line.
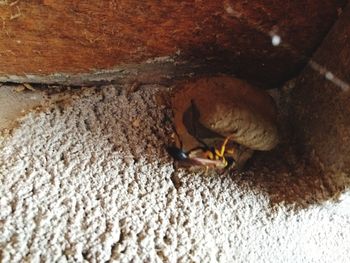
x=90, y=181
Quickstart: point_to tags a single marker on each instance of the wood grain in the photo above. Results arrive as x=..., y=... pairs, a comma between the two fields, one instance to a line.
x=45, y=36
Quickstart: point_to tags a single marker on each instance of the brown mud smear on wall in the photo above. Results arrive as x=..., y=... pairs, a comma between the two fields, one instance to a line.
x=321, y=100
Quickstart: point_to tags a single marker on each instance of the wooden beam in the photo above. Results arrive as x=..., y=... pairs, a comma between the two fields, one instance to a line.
x=66, y=38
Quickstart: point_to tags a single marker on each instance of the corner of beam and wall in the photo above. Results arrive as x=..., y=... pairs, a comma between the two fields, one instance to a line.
x=160, y=70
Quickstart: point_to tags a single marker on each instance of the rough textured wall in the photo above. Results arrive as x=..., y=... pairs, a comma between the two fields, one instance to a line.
x=44, y=36
x=321, y=99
